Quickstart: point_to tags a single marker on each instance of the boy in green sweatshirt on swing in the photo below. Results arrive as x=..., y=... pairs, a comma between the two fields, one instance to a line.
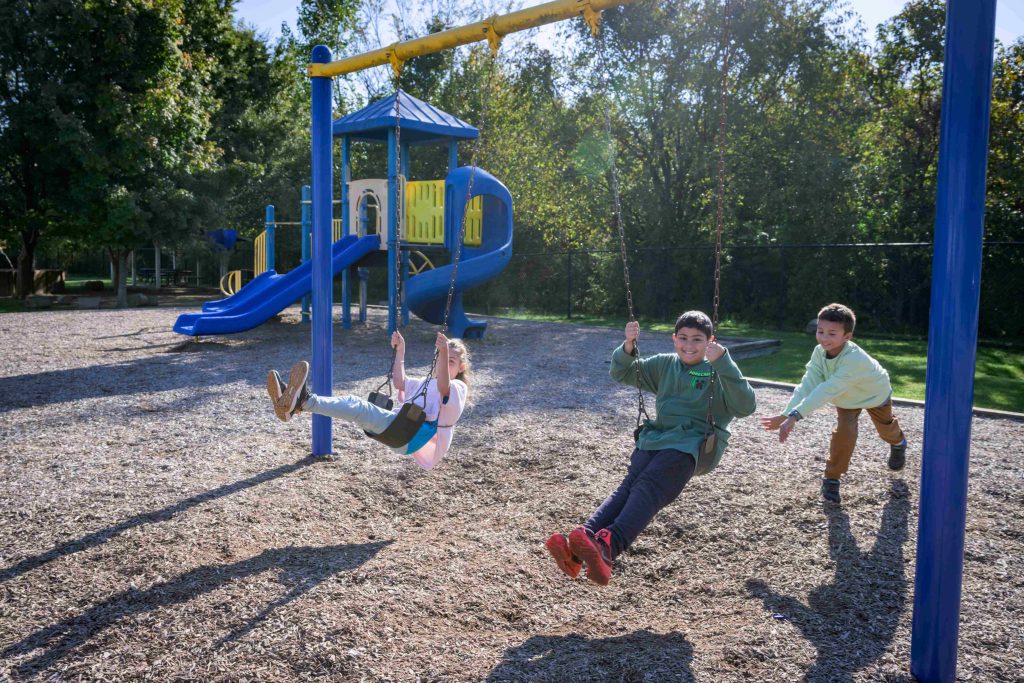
x=843, y=374
x=669, y=449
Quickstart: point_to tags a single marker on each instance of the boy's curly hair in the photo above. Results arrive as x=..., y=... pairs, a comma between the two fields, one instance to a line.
x=697, y=320
x=838, y=313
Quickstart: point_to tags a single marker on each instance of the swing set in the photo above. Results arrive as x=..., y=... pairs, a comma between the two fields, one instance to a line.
x=959, y=228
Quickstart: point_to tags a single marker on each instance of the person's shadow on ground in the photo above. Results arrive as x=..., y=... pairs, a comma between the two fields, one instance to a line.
x=638, y=656
x=852, y=620
x=300, y=569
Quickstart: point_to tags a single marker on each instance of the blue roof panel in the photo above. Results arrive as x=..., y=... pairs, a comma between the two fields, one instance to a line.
x=421, y=122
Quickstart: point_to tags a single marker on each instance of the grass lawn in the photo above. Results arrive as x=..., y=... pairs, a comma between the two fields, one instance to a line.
x=998, y=373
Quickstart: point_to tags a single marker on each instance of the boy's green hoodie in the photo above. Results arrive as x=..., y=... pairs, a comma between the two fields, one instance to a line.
x=852, y=379
x=682, y=400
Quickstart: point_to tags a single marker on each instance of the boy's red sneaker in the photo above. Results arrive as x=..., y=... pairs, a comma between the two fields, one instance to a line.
x=596, y=553
x=558, y=546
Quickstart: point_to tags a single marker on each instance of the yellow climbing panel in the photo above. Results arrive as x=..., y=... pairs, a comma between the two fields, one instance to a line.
x=424, y=214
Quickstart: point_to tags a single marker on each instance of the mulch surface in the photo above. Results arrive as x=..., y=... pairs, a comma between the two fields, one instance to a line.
x=158, y=523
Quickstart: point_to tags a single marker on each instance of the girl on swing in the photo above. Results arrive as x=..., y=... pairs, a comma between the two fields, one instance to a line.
x=443, y=399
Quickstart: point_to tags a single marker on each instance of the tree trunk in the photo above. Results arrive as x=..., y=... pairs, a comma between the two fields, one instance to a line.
x=119, y=263
x=25, y=282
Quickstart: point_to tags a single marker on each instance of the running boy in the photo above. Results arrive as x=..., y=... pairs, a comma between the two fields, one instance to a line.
x=668, y=448
x=843, y=374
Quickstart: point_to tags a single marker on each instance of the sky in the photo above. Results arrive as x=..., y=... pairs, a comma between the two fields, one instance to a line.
x=267, y=16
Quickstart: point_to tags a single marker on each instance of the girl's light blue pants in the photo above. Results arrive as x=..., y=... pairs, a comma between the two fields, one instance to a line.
x=366, y=415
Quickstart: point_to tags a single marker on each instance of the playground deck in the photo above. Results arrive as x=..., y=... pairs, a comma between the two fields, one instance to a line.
x=159, y=523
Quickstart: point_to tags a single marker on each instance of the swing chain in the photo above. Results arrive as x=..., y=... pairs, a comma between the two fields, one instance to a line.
x=399, y=224
x=617, y=204
x=465, y=211
x=720, y=208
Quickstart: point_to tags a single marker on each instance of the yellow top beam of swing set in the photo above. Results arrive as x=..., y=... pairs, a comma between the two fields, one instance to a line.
x=491, y=30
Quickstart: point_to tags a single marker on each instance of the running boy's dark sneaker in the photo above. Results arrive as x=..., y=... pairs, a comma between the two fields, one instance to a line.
x=830, y=490
x=276, y=387
x=595, y=551
x=898, y=455
x=293, y=392
x=558, y=546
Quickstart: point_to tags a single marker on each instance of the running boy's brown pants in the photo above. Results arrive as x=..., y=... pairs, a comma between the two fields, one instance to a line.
x=844, y=438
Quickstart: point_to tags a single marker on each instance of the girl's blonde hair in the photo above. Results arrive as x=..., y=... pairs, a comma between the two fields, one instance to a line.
x=460, y=348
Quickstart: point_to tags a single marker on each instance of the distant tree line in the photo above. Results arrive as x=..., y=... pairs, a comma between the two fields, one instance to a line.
x=138, y=121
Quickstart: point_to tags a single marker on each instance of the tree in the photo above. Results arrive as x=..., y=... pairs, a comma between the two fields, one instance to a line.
x=103, y=112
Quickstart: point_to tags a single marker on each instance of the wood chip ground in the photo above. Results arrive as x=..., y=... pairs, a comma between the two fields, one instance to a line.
x=158, y=523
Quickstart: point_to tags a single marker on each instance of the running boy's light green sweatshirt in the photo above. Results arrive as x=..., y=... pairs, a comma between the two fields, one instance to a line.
x=853, y=379
x=682, y=401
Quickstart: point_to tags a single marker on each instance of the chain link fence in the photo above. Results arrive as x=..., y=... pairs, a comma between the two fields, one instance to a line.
x=779, y=286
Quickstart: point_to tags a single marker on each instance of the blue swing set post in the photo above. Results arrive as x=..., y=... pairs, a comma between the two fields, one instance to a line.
x=322, y=332
x=952, y=337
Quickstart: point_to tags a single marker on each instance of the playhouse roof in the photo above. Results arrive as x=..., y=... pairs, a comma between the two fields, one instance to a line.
x=421, y=122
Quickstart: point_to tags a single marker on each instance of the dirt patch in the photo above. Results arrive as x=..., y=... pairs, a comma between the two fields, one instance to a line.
x=159, y=523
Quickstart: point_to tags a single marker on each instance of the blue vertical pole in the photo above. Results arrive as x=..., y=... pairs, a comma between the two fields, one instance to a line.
x=321, y=248
x=392, y=233
x=269, y=227
x=307, y=200
x=346, y=229
x=952, y=337
x=405, y=217
x=453, y=155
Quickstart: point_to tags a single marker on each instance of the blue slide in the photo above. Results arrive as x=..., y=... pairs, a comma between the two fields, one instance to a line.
x=427, y=293
x=270, y=293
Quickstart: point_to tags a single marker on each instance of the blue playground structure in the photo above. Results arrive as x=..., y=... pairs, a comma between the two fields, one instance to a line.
x=365, y=234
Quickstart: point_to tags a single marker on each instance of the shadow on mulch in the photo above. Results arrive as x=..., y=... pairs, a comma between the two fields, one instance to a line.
x=100, y=537
x=638, y=656
x=301, y=568
x=851, y=621
x=122, y=379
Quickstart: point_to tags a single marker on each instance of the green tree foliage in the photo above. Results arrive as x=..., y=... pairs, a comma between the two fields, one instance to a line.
x=104, y=112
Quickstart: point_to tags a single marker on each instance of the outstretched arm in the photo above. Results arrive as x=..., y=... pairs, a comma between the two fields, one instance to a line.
x=443, y=376
x=398, y=371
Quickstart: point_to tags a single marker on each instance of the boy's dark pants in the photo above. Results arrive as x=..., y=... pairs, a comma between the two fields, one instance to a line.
x=844, y=438
x=653, y=480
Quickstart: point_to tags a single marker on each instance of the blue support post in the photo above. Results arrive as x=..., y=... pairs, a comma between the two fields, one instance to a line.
x=392, y=233
x=453, y=155
x=269, y=226
x=952, y=337
x=364, y=278
x=307, y=201
x=346, y=229
x=405, y=230
x=322, y=333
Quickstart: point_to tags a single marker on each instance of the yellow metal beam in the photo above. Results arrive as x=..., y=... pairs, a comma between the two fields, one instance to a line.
x=491, y=30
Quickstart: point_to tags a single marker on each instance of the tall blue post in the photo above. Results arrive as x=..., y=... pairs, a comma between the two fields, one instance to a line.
x=392, y=233
x=453, y=155
x=269, y=226
x=322, y=339
x=307, y=200
x=346, y=229
x=952, y=337
x=405, y=229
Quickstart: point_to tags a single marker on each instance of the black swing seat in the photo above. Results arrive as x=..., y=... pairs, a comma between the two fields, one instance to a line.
x=403, y=427
x=380, y=400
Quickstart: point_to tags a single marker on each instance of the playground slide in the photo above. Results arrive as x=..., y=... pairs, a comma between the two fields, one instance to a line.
x=427, y=293
x=270, y=295
x=258, y=285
